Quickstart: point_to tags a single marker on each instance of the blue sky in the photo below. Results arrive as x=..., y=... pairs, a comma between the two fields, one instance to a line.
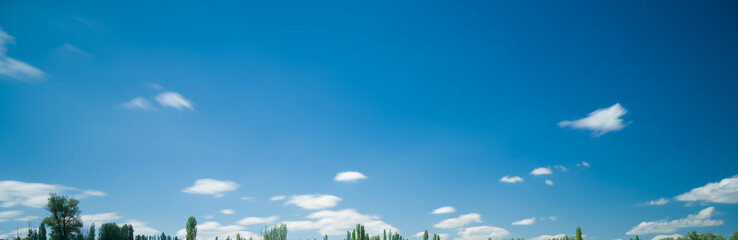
x=510, y=118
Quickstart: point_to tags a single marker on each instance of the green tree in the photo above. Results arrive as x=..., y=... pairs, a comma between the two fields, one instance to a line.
x=64, y=220
x=91, y=233
x=126, y=232
x=425, y=235
x=42, y=231
x=191, y=229
x=579, y=234
x=109, y=231
x=275, y=233
x=734, y=236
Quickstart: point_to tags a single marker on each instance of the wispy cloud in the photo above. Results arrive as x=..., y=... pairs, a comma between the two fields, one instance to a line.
x=258, y=220
x=547, y=237
x=659, y=237
x=512, y=179
x=549, y=182
x=725, y=191
x=483, y=233
x=278, y=198
x=443, y=210
x=211, y=187
x=68, y=47
x=313, y=201
x=138, y=103
x=349, y=176
x=583, y=164
x=660, y=201
x=600, y=121
x=527, y=221
x=459, y=221
x=174, y=100
x=701, y=219
x=13, y=68
x=7, y=215
x=35, y=195
x=100, y=218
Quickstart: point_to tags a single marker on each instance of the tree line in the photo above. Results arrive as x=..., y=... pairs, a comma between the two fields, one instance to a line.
x=65, y=224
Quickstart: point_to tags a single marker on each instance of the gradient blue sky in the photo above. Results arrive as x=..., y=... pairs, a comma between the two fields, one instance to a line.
x=434, y=102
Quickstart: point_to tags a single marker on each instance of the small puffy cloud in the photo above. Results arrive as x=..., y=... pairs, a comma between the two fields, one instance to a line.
x=549, y=182
x=527, y=221
x=512, y=179
x=600, y=121
x=258, y=220
x=660, y=201
x=313, y=201
x=349, y=176
x=701, y=219
x=35, y=195
x=541, y=171
x=547, y=237
x=482, y=233
x=583, y=164
x=211, y=229
x=211, y=187
x=659, y=237
x=338, y=222
x=278, y=198
x=100, y=218
x=561, y=168
x=227, y=211
x=174, y=100
x=442, y=210
x=138, y=103
x=725, y=191
x=142, y=229
x=13, y=68
x=209, y=216
x=459, y=221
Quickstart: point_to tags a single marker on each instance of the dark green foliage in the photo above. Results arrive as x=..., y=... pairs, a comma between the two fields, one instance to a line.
x=91, y=233
x=734, y=236
x=42, y=231
x=579, y=234
x=126, y=232
x=191, y=229
x=425, y=235
x=64, y=220
x=275, y=233
x=109, y=231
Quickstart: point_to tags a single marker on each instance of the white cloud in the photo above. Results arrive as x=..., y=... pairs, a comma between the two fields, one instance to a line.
x=549, y=182
x=35, y=195
x=100, y=218
x=338, y=222
x=442, y=210
x=419, y=234
x=583, y=164
x=227, y=211
x=74, y=49
x=553, y=218
x=482, y=233
x=18, y=232
x=561, y=168
x=154, y=85
x=258, y=220
x=459, y=221
x=349, y=176
x=247, y=198
x=142, y=229
x=26, y=218
x=13, y=68
x=660, y=201
x=701, y=219
x=547, y=237
x=527, y=221
x=444, y=236
x=211, y=229
x=174, y=100
x=211, y=187
x=659, y=237
x=725, y=191
x=10, y=214
x=209, y=216
x=313, y=201
x=541, y=171
x=512, y=179
x=277, y=198
x=600, y=121
x=138, y=103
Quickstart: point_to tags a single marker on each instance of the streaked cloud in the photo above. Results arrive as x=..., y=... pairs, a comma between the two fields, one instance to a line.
x=143, y=229
x=258, y=220
x=701, y=219
x=583, y=164
x=547, y=237
x=213, y=187
x=35, y=195
x=138, y=103
x=549, y=182
x=660, y=201
x=278, y=198
x=349, y=176
x=313, y=201
x=600, y=121
x=13, y=68
x=725, y=191
x=459, y=221
x=442, y=210
x=174, y=100
x=338, y=222
x=513, y=179
x=527, y=221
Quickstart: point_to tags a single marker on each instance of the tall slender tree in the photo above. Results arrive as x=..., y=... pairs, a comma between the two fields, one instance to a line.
x=579, y=234
x=191, y=229
x=91, y=233
x=425, y=235
x=42, y=231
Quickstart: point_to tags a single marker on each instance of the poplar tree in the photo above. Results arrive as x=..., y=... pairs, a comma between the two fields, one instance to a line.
x=91, y=233
x=42, y=231
x=191, y=229
x=579, y=234
x=425, y=235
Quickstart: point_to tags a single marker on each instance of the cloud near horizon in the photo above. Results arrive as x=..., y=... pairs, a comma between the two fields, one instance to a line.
x=482, y=233
x=338, y=222
x=459, y=221
x=725, y=191
x=36, y=195
x=527, y=221
x=701, y=219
